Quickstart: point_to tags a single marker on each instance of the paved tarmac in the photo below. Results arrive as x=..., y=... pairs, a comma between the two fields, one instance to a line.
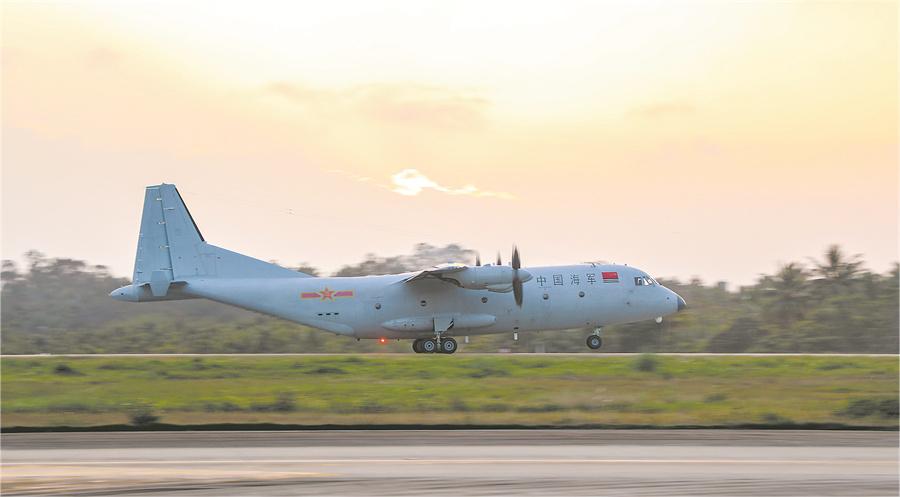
x=463, y=353
x=476, y=462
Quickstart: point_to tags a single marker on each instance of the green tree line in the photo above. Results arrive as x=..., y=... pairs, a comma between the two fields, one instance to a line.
x=831, y=304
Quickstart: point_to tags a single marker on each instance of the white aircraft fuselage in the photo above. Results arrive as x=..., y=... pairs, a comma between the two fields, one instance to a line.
x=174, y=262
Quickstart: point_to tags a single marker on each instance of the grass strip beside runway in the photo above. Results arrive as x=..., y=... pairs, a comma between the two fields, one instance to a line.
x=533, y=390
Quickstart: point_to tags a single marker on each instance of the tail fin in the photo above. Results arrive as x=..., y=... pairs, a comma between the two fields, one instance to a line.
x=171, y=248
x=167, y=228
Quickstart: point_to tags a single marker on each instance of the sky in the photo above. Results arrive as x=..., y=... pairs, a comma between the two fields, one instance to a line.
x=691, y=139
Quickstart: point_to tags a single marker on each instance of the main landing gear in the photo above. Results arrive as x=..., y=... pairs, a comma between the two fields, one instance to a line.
x=430, y=345
x=594, y=341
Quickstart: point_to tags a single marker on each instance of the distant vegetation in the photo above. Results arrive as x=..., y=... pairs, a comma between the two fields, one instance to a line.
x=57, y=305
x=412, y=389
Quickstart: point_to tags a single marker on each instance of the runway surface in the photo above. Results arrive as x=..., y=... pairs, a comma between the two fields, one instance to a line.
x=477, y=462
x=463, y=353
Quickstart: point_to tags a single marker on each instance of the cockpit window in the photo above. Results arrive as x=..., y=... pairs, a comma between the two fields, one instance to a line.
x=644, y=281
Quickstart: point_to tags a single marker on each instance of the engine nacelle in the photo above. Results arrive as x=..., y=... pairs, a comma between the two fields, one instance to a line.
x=493, y=278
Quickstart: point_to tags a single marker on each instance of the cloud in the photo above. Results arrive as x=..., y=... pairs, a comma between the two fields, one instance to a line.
x=400, y=104
x=299, y=94
x=102, y=57
x=417, y=105
x=664, y=109
x=411, y=182
x=353, y=176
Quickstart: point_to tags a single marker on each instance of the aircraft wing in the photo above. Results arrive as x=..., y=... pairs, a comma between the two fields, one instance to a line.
x=436, y=272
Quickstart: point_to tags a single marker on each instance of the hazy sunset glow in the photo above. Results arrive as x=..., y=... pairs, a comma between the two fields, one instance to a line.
x=687, y=138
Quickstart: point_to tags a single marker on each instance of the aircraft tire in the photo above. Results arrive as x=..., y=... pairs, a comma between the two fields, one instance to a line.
x=594, y=342
x=428, y=346
x=448, y=345
x=417, y=345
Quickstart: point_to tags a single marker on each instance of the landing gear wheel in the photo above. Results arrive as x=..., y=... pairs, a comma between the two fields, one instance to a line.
x=428, y=346
x=417, y=345
x=594, y=342
x=448, y=345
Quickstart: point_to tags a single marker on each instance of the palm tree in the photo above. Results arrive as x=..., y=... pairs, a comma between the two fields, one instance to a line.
x=837, y=271
x=790, y=291
x=837, y=267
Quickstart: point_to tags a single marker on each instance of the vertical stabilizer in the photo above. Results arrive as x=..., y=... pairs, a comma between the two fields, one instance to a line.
x=169, y=238
x=171, y=252
x=171, y=248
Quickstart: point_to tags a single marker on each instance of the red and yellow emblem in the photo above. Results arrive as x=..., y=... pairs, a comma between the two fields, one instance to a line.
x=327, y=294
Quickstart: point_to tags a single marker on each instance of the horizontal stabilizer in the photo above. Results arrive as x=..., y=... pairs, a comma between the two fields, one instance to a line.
x=161, y=288
x=159, y=283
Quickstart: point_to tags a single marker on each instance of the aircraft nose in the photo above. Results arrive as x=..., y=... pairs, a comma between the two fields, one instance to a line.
x=681, y=303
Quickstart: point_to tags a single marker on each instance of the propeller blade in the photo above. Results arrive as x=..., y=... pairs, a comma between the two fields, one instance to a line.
x=499, y=261
x=517, y=289
x=477, y=259
x=517, y=280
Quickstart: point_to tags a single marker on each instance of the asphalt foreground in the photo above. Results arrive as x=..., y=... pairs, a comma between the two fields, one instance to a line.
x=470, y=462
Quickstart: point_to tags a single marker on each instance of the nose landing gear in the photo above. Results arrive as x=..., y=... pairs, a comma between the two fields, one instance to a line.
x=594, y=341
x=430, y=346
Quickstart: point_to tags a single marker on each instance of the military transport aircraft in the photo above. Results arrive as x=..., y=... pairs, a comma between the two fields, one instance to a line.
x=429, y=307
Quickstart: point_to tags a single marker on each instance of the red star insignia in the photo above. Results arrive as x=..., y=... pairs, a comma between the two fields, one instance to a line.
x=327, y=294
